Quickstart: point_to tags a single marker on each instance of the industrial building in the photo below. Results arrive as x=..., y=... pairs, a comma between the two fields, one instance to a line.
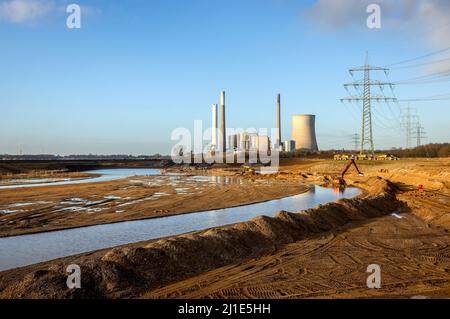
x=289, y=146
x=304, y=132
x=248, y=141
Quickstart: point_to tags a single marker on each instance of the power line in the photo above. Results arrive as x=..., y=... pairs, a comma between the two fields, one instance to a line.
x=427, y=82
x=425, y=100
x=419, y=57
x=382, y=117
x=396, y=117
x=429, y=77
x=421, y=64
x=440, y=97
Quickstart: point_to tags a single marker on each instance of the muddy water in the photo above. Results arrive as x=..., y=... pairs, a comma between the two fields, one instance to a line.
x=29, y=249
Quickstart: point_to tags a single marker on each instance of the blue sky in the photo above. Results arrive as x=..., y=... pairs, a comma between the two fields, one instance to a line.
x=138, y=69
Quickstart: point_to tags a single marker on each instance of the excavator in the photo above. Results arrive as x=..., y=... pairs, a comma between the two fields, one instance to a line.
x=340, y=181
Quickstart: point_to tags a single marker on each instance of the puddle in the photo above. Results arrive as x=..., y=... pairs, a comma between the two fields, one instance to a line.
x=397, y=216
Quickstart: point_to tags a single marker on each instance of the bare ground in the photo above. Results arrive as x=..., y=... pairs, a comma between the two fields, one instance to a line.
x=412, y=248
x=334, y=266
x=318, y=253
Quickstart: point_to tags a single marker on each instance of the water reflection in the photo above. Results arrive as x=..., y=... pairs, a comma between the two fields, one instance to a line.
x=28, y=249
x=106, y=175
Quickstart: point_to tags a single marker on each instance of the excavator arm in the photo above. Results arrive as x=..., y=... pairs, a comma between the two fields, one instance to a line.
x=347, y=167
x=340, y=180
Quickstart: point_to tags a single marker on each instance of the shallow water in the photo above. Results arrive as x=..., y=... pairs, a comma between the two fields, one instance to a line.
x=106, y=175
x=29, y=249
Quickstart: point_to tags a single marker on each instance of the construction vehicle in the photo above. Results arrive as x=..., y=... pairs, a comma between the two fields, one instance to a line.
x=341, y=157
x=247, y=170
x=340, y=181
x=365, y=157
x=387, y=157
x=362, y=157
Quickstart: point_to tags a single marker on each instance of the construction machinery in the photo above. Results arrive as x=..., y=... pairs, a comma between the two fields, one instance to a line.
x=248, y=170
x=387, y=157
x=340, y=181
x=341, y=157
x=365, y=157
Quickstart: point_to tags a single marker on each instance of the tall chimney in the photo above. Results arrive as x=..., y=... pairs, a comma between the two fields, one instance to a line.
x=214, y=127
x=279, y=120
x=223, y=143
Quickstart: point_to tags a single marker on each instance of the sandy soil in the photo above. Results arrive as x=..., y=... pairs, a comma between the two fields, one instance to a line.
x=334, y=265
x=319, y=253
x=38, y=209
x=412, y=248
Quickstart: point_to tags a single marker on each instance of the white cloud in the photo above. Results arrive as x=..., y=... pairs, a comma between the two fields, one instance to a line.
x=21, y=11
x=337, y=13
x=429, y=19
x=437, y=16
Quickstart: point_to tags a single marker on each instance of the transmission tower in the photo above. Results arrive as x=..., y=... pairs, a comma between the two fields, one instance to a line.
x=366, y=97
x=408, y=124
x=419, y=133
x=356, y=141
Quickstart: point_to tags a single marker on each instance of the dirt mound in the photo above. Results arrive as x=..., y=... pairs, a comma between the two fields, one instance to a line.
x=128, y=271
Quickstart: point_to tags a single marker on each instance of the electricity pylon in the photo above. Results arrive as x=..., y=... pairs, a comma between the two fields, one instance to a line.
x=419, y=133
x=366, y=97
x=356, y=141
x=408, y=119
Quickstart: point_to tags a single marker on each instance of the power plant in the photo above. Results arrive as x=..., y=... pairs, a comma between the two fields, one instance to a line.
x=304, y=132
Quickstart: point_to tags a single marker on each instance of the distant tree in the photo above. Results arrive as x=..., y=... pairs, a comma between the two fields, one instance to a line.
x=444, y=151
x=429, y=150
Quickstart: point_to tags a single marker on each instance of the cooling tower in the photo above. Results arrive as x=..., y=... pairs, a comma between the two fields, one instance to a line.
x=304, y=132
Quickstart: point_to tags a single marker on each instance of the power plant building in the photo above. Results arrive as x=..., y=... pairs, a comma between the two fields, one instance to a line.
x=304, y=132
x=263, y=143
x=289, y=146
